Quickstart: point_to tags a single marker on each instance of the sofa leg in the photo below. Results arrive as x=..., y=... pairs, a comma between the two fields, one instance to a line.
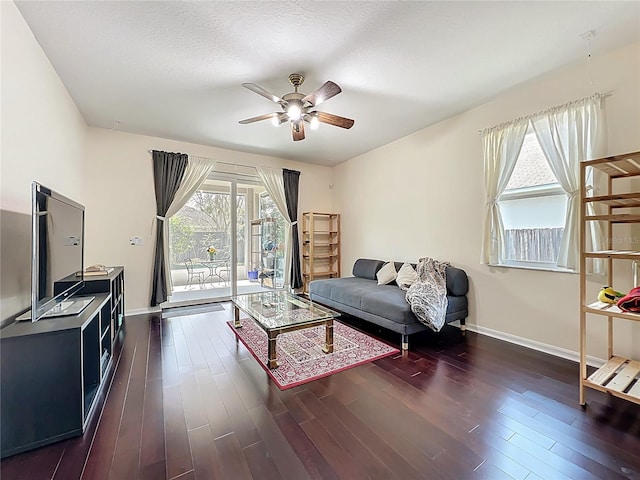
x=405, y=342
x=463, y=327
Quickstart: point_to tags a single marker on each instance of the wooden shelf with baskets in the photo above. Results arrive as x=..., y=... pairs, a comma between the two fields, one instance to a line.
x=320, y=246
x=619, y=376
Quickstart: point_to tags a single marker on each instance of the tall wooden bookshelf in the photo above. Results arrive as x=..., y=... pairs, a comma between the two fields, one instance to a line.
x=320, y=246
x=619, y=376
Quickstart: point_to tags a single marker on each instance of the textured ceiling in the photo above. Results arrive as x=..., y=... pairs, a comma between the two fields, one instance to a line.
x=174, y=69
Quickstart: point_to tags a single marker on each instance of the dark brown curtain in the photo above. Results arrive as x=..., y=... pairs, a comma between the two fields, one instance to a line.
x=291, y=186
x=168, y=170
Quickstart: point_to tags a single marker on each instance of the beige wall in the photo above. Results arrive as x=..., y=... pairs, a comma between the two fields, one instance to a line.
x=121, y=203
x=421, y=195
x=43, y=139
x=424, y=195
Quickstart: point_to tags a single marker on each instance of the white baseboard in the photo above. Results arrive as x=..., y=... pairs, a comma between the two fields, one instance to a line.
x=507, y=337
x=539, y=346
x=140, y=311
x=167, y=305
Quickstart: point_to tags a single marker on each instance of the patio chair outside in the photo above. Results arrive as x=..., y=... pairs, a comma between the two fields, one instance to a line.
x=193, y=274
x=223, y=270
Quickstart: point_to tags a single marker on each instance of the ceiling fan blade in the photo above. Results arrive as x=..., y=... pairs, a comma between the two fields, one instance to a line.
x=335, y=120
x=265, y=93
x=266, y=116
x=325, y=92
x=282, y=117
x=297, y=129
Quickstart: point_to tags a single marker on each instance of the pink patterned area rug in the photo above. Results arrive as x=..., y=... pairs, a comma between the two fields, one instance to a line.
x=300, y=356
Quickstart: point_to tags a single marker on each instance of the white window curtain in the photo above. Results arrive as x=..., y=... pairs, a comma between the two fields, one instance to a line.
x=274, y=183
x=502, y=146
x=567, y=135
x=197, y=171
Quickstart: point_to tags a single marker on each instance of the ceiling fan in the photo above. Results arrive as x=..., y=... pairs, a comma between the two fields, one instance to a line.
x=299, y=108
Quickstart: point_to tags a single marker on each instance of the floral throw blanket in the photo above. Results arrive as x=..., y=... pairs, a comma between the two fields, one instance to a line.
x=428, y=295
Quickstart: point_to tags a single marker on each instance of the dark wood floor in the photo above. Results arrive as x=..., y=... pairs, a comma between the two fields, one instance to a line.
x=189, y=402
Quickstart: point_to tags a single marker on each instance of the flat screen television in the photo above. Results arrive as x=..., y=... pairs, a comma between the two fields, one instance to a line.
x=57, y=252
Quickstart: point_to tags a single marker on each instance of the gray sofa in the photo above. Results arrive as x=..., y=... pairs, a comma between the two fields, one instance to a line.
x=385, y=305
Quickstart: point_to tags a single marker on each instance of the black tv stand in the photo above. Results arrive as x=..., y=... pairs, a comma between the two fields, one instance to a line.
x=53, y=370
x=70, y=306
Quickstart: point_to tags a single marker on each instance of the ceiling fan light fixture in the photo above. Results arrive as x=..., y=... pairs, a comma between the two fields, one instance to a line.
x=294, y=112
x=296, y=107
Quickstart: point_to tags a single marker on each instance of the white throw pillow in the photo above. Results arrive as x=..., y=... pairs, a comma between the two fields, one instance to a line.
x=387, y=274
x=406, y=276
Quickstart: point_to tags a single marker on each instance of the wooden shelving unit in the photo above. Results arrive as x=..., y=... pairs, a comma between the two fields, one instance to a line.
x=320, y=246
x=619, y=376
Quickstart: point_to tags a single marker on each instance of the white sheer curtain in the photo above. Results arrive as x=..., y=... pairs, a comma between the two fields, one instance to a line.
x=197, y=171
x=274, y=183
x=502, y=146
x=567, y=135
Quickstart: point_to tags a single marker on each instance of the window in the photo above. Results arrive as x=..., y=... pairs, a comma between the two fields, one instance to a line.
x=274, y=257
x=519, y=181
x=268, y=209
x=534, y=209
x=204, y=221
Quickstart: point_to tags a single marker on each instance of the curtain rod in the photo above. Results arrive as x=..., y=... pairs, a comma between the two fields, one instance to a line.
x=217, y=161
x=543, y=112
x=237, y=165
x=198, y=156
x=227, y=163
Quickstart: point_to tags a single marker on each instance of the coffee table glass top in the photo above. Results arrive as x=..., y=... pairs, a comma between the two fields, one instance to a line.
x=278, y=309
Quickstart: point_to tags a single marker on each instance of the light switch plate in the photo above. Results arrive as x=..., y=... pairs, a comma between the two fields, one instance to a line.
x=71, y=241
x=137, y=241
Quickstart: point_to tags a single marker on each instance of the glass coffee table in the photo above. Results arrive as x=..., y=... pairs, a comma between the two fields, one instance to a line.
x=279, y=312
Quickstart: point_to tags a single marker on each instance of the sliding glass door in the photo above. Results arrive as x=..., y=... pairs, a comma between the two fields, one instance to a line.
x=213, y=242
